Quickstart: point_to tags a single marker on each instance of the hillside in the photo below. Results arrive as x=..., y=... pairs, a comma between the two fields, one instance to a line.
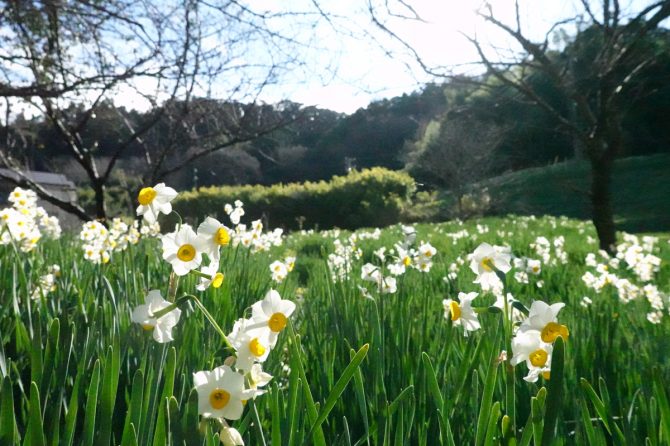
x=640, y=189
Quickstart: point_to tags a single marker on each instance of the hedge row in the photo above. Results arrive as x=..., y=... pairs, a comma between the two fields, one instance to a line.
x=372, y=197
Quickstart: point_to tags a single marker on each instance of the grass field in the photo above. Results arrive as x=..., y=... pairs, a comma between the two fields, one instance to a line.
x=640, y=192
x=383, y=369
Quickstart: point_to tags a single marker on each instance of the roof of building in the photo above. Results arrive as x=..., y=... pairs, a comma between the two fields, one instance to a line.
x=43, y=178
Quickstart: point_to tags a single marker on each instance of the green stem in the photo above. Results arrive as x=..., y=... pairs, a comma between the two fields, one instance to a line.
x=212, y=321
x=172, y=287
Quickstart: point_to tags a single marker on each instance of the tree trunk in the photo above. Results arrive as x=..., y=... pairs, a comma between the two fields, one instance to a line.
x=601, y=202
x=100, y=208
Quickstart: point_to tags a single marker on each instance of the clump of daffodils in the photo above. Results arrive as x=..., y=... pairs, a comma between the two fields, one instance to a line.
x=552, y=252
x=628, y=274
x=223, y=391
x=341, y=261
x=46, y=283
x=533, y=342
x=100, y=242
x=25, y=223
x=280, y=268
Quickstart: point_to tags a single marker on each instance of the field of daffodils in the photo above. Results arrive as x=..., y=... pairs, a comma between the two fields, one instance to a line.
x=500, y=331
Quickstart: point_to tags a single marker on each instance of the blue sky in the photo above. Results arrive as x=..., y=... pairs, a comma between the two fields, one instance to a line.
x=347, y=62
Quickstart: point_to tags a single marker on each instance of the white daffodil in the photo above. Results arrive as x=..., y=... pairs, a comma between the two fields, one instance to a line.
x=426, y=251
x=461, y=312
x=162, y=327
x=272, y=313
x=403, y=261
x=529, y=347
x=235, y=213
x=258, y=378
x=289, y=262
x=182, y=249
x=214, y=277
x=543, y=318
x=370, y=273
x=380, y=253
x=230, y=436
x=154, y=201
x=388, y=285
x=534, y=266
x=252, y=345
x=486, y=259
x=279, y=271
x=221, y=393
x=214, y=235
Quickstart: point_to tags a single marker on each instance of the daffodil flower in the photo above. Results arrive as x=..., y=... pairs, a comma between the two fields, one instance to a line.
x=461, y=312
x=221, y=393
x=529, y=347
x=271, y=314
x=182, y=249
x=252, y=345
x=543, y=318
x=162, y=326
x=486, y=260
x=214, y=235
x=155, y=201
x=210, y=276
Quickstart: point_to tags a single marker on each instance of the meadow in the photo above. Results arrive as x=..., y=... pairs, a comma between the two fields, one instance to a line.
x=381, y=348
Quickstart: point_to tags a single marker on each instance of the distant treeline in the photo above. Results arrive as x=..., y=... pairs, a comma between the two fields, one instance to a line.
x=408, y=131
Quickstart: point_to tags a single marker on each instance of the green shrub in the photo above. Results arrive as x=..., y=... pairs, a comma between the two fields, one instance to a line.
x=372, y=197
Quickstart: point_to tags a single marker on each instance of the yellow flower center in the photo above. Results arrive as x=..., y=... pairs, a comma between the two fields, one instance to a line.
x=455, y=310
x=291, y=265
x=256, y=348
x=222, y=238
x=407, y=261
x=217, y=281
x=277, y=322
x=186, y=253
x=553, y=330
x=538, y=358
x=146, y=196
x=219, y=398
x=535, y=269
x=147, y=327
x=22, y=202
x=487, y=264
x=546, y=375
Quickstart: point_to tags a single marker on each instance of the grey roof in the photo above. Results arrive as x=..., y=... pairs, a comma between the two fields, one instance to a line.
x=43, y=178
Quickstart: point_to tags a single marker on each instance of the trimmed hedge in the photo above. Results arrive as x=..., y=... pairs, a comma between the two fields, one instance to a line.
x=371, y=197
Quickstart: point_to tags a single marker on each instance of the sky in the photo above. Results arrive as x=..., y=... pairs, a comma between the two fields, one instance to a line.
x=348, y=62
x=366, y=72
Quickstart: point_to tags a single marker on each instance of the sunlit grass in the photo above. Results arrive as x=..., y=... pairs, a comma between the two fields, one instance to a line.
x=99, y=379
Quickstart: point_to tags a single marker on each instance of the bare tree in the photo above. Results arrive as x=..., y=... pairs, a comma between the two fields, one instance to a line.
x=596, y=83
x=457, y=152
x=63, y=60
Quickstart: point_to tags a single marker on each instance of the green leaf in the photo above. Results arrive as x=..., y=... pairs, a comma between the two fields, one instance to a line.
x=487, y=396
x=663, y=405
x=35, y=433
x=91, y=406
x=340, y=385
x=110, y=380
x=9, y=434
x=554, y=392
x=492, y=424
x=312, y=409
